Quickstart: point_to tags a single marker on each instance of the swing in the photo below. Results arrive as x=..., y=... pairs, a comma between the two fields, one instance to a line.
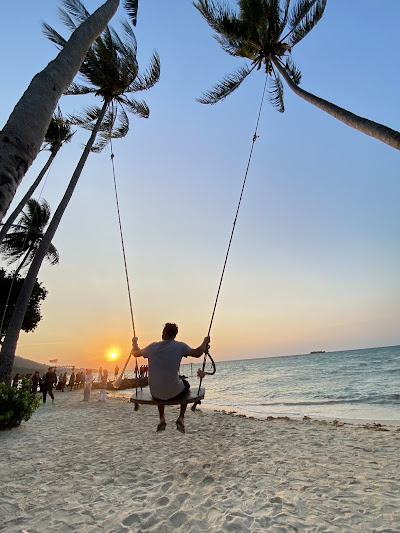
x=190, y=396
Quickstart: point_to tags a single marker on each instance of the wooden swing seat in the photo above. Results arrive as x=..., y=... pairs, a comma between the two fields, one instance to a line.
x=145, y=397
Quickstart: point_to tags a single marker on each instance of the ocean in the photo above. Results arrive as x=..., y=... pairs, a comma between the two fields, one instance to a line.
x=350, y=385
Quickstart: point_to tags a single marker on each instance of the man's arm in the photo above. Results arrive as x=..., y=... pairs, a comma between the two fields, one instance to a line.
x=198, y=352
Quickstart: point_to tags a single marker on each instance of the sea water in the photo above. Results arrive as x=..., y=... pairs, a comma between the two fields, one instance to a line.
x=351, y=385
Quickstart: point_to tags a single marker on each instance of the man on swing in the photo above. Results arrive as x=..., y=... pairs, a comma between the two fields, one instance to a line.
x=164, y=360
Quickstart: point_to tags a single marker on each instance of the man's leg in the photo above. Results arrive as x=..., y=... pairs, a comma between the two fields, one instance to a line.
x=161, y=426
x=161, y=409
x=183, y=411
x=180, y=423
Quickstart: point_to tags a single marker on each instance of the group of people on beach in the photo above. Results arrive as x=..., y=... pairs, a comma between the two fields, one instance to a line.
x=49, y=382
x=143, y=371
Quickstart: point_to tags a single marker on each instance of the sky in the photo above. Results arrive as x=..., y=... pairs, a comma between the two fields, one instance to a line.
x=315, y=256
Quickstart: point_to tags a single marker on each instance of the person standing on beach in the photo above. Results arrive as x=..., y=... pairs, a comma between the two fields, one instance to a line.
x=116, y=371
x=71, y=381
x=103, y=393
x=36, y=380
x=164, y=360
x=50, y=379
x=88, y=385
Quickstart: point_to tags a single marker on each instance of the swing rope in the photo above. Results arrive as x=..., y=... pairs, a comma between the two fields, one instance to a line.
x=123, y=253
x=255, y=136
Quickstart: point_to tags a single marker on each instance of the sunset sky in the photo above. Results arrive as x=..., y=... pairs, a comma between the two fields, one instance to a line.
x=315, y=259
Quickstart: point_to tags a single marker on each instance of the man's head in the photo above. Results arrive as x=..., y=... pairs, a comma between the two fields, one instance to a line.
x=170, y=331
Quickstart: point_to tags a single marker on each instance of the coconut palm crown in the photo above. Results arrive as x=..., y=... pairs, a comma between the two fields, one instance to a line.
x=22, y=242
x=110, y=71
x=265, y=32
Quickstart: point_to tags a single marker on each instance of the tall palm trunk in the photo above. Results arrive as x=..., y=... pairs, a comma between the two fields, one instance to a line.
x=22, y=136
x=10, y=342
x=9, y=222
x=374, y=129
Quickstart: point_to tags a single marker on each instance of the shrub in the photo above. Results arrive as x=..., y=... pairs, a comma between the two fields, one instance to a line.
x=16, y=404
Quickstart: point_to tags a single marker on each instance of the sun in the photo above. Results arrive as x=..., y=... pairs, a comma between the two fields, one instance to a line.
x=113, y=355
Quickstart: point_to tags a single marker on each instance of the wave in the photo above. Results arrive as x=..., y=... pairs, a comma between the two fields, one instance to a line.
x=391, y=399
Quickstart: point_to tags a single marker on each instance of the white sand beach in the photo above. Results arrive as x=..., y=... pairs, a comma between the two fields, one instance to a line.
x=94, y=467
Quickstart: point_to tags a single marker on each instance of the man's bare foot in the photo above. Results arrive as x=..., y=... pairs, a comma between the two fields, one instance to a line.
x=161, y=426
x=180, y=426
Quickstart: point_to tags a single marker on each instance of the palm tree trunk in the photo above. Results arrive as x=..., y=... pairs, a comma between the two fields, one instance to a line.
x=9, y=222
x=374, y=129
x=22, y=136
x=10, y=342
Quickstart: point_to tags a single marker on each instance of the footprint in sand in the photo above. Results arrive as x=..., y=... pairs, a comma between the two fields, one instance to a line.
x=131, y=519
x=178, y=519
x=165, y=486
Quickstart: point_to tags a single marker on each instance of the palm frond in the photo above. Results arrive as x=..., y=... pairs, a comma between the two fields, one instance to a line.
x=293, y=71
x=107, y=124
x=131, y=7
x=52, y=255
x=275, y=92
x=305, y=16
x=89, y=114
x=58, y=133
x=221, y=18
x=225, y=87
x=77, y=89
x=149, y=77
x=114, y=126
x=130, y=36
x=53, y=35
x=285, y=15
x=77, y=10
x=121, y=128
x=233, y=47
x=127, y=47
x=67, y=19
x=100, y=143
x=139, y=108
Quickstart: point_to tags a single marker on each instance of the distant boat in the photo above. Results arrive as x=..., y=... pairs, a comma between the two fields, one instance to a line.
x=319, y=351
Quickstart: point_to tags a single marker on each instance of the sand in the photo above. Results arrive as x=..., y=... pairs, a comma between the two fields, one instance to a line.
x=101, y=467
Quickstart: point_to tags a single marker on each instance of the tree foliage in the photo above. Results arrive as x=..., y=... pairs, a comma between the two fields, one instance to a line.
x=16, y=404
x=265, y=32
x=32, y=315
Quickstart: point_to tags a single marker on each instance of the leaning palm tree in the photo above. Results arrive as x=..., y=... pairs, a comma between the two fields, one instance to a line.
x=58, y=133
x=265, y=32
x=112, y=72
x=22, y=136
x=22, y=242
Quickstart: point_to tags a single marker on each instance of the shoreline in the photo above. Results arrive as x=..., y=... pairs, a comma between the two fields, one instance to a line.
x=210, y=407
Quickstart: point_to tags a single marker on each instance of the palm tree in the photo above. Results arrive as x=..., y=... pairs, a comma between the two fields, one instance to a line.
x=265, y=32
x=22, y=136
x=112, y=71
x=58, y=133
x=23, y=241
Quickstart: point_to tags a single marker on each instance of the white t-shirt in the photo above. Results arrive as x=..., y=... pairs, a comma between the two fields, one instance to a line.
x=164, y=360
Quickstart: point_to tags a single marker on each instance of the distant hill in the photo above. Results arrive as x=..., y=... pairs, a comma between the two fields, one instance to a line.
x=27, y=366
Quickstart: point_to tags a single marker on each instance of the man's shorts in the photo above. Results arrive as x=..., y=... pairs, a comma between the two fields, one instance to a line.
x=181, y=394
